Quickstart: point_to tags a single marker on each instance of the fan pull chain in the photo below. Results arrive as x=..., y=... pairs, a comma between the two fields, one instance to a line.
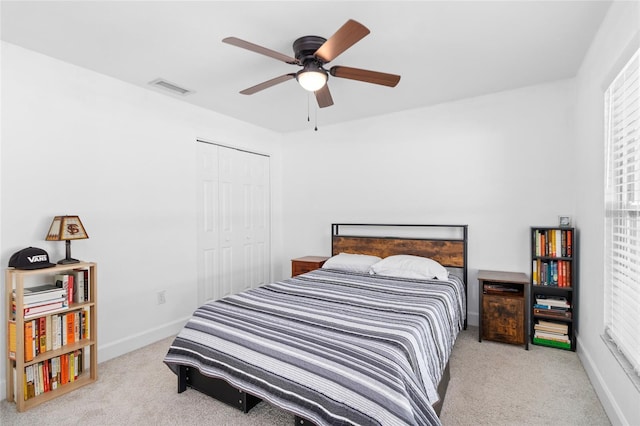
x=308, y=106
x=316, y=128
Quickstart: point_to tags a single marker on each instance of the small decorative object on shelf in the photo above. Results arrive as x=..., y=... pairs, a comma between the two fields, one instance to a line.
x=66, y=228
x=30, y=258
x=305, y=264
x=554, y=298
x=564, y=221
x=52, y=330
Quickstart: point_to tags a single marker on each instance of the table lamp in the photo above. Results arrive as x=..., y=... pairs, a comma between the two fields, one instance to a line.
x=66, y=228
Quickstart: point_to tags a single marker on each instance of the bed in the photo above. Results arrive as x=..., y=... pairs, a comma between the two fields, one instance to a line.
x=337, y=345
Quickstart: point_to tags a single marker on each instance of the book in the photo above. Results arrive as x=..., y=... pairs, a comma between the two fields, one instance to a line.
x=30, y=312
x=40, y=379
x=78, y=286
x=56, y=331
x=552, y=336
x=45, y=375
x=42, y=335
x=76, y=326
x=549, y=307
x=12, y=339
x=555, y=301
x=54, y=373
x=65, y=281
x=42, y=293
x=552, y=343
x=87, y=287
x=48, y=340
x=552, y=326
x=64, y=361
x=70, y=317
x=560, y=313
x=550, y=329
x=29, y=383
x=29, y=347
x=72, y=366
x=87, y=325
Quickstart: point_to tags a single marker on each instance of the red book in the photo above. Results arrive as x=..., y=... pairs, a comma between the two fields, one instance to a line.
x=70, y=289
x=45, y=374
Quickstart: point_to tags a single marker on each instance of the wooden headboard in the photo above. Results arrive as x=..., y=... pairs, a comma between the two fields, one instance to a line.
x=446, y=244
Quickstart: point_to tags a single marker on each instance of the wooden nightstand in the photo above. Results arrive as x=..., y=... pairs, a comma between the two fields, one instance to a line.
x=502, y=308
x=306, y=264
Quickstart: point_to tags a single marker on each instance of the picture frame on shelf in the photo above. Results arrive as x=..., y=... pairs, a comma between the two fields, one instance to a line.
x=564, y=221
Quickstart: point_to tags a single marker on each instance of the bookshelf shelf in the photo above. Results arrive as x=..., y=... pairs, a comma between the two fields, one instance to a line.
x=61, y=355
x=554, y=284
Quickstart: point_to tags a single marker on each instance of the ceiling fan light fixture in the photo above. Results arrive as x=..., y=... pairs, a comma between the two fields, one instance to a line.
x=312, y=77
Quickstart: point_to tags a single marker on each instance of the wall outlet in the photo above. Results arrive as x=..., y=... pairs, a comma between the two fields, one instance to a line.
x=162, y=297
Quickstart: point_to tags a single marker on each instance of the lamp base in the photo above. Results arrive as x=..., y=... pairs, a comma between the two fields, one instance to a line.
x=67, y=261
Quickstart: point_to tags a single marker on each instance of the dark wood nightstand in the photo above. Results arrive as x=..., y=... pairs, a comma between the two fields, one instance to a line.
x=502, y=308
x=306, y=264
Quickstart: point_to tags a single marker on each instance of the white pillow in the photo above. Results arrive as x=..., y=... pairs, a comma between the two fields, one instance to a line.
x=351, y=262
x=408, y=266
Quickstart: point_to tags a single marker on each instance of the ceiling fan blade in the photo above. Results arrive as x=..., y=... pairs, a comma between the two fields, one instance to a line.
x=367, y=76
x=348, y=35
x=259, y=49
x=323, y=96
x=267, y=84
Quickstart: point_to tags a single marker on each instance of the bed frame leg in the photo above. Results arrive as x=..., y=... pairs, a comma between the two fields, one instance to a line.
x=182, y=378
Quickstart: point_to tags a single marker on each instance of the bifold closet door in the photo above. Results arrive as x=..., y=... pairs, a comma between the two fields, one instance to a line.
x=233, y=221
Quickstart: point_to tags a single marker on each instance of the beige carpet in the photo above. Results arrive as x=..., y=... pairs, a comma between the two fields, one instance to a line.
x=491, y=384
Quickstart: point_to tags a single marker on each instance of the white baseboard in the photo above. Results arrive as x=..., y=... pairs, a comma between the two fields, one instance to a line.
x=131, y=343
x=599, y=385
x=473, y=319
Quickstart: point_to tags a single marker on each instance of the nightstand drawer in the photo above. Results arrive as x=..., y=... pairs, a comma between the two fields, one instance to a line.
x=503, y=319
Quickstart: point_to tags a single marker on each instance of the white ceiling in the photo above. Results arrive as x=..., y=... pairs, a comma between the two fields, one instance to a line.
x=444, y=50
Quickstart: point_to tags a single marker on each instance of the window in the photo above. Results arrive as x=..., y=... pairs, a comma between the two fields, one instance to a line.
x=622, y=216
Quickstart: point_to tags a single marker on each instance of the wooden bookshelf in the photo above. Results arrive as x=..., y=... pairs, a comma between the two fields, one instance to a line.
x=553, y=282
x=83, y=350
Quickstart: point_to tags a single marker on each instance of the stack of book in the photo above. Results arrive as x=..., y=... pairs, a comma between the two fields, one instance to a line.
x=42, y=299
x=552, y=333
x=555, y=273
x=553, y=242
x=51, y=332
x=552, y=306
x=50, y=374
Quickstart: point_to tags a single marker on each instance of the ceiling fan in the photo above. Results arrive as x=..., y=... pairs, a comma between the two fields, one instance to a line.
x=312, y=53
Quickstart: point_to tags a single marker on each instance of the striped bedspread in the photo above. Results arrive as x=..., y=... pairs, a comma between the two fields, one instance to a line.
x=333, y=347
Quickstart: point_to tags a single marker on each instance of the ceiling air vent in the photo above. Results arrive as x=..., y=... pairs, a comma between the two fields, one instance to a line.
x=166, y=85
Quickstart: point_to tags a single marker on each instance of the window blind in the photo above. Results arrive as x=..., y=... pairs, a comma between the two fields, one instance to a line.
x=622, y=212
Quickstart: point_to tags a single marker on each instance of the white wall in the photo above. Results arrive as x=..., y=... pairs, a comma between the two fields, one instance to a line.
x=123, y=158
x=499, y=163
x=612, y=47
